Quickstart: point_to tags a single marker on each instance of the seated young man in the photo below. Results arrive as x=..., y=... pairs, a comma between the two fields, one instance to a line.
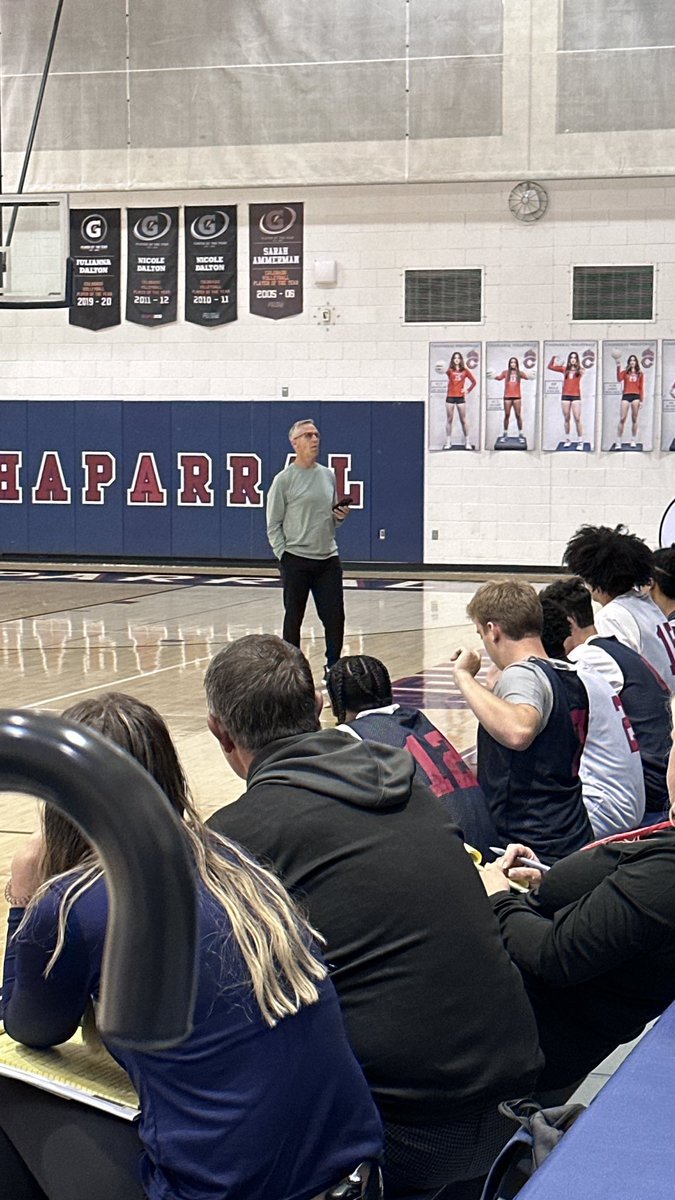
x=618, y=567
x=532, y=726
x=644, y=695
x=610, y=769
x=360, y=693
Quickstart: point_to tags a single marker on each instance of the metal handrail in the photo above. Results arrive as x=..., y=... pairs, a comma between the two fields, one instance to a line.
x=148, y=978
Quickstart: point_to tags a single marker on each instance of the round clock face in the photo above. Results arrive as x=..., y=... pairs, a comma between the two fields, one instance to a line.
x=528, y=201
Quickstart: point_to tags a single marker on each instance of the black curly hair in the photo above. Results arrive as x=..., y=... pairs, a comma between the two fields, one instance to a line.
x=356, y=683
x=611, y=560
x=573, y=597
x=664, y=570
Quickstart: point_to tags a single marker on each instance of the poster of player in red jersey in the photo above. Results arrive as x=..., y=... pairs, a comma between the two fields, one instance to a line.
x=668, y=395
x=568, y=402
x=628, y=384
x=454, y=407
x=512, y=369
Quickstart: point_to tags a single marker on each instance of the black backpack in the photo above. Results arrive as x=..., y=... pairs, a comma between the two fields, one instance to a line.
x=540, y=1131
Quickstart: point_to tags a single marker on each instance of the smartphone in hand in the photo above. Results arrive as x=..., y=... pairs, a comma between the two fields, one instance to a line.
x=343, y=503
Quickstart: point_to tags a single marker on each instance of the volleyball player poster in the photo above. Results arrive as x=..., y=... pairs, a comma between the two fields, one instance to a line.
x=668, y=395
x=628, y=386
x=570, y=372
x=511, y=370
x=454, y=407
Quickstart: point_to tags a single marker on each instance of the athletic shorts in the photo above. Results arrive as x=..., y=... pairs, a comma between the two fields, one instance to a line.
x=570, y=399
x=631, y=397
x=455, y=399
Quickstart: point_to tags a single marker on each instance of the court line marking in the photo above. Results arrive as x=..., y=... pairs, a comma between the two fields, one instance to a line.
x=97, y=687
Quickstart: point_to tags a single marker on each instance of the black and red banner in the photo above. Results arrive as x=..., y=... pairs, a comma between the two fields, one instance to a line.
x=211, y=264
x=152, y=267
x=95, y=251
x=276, y=253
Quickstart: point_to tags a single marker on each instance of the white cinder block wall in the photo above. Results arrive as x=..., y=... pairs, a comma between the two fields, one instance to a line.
x=487, y=508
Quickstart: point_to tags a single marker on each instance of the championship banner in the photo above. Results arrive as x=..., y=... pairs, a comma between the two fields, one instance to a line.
x=276, y=253
x=152, y=265
x=211, y=264
x=95, y=251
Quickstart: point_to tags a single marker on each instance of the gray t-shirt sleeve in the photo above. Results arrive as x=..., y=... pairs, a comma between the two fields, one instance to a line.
x=526, y=683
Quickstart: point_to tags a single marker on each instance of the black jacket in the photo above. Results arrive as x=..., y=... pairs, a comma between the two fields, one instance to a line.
x=597, y=950
x=434, y=1009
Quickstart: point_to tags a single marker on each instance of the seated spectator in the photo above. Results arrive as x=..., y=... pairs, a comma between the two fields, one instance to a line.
x=644, y=695
x=612, y=782
x=532, y=726
x=596, y=947
x=264, y=1098
x=359, y=689
x=618, y=567
x=434, y=1009
x=662, y=586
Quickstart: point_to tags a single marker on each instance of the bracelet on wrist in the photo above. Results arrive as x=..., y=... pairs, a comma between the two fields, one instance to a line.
x=15, y=901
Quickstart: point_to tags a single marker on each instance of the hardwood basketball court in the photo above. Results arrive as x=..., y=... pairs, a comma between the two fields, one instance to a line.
x=68, y=634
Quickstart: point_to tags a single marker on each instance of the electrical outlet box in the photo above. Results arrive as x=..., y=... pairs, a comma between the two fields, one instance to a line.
x=382, y=533
x=434, y=535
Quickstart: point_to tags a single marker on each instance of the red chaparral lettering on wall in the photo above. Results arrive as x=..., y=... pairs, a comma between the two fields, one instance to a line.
x=51, y=486
x=196, y=473
x=99, y=468
x=244, y=490
x=147, y=485
x=11, y=491
x=195, y=487
x=342, y=465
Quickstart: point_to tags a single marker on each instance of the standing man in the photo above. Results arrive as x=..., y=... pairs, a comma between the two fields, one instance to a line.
x=302, y=513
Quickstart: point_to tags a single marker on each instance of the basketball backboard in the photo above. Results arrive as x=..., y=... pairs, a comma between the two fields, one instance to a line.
x=34, y=248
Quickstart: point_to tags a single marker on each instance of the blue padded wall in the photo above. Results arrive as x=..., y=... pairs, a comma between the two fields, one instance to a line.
x=376, y=449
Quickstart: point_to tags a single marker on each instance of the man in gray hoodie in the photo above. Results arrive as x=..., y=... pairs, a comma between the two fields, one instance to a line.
x=435, y=1011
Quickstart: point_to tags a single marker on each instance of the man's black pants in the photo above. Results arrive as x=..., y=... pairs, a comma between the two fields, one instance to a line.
x=323, y=578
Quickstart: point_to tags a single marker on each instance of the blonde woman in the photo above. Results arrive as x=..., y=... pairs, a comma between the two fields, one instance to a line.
x=263, y=1098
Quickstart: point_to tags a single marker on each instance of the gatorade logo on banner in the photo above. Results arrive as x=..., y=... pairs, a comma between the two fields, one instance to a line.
x=276, y=255
x=211, y=264
x=95, y=251
x=152, y=271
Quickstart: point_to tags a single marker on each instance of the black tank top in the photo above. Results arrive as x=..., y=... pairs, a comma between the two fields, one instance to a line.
x=646, y=701
x=534, y=795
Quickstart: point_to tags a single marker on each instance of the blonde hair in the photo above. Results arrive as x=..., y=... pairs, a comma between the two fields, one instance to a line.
x=511, y=604
x=272, y=936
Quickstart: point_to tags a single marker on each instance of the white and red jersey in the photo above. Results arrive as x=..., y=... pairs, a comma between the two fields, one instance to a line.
x=572, y=381
x=637, y=621
x=457, y=380
x=633, y=382
x=512, y=386
x=612, y=779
